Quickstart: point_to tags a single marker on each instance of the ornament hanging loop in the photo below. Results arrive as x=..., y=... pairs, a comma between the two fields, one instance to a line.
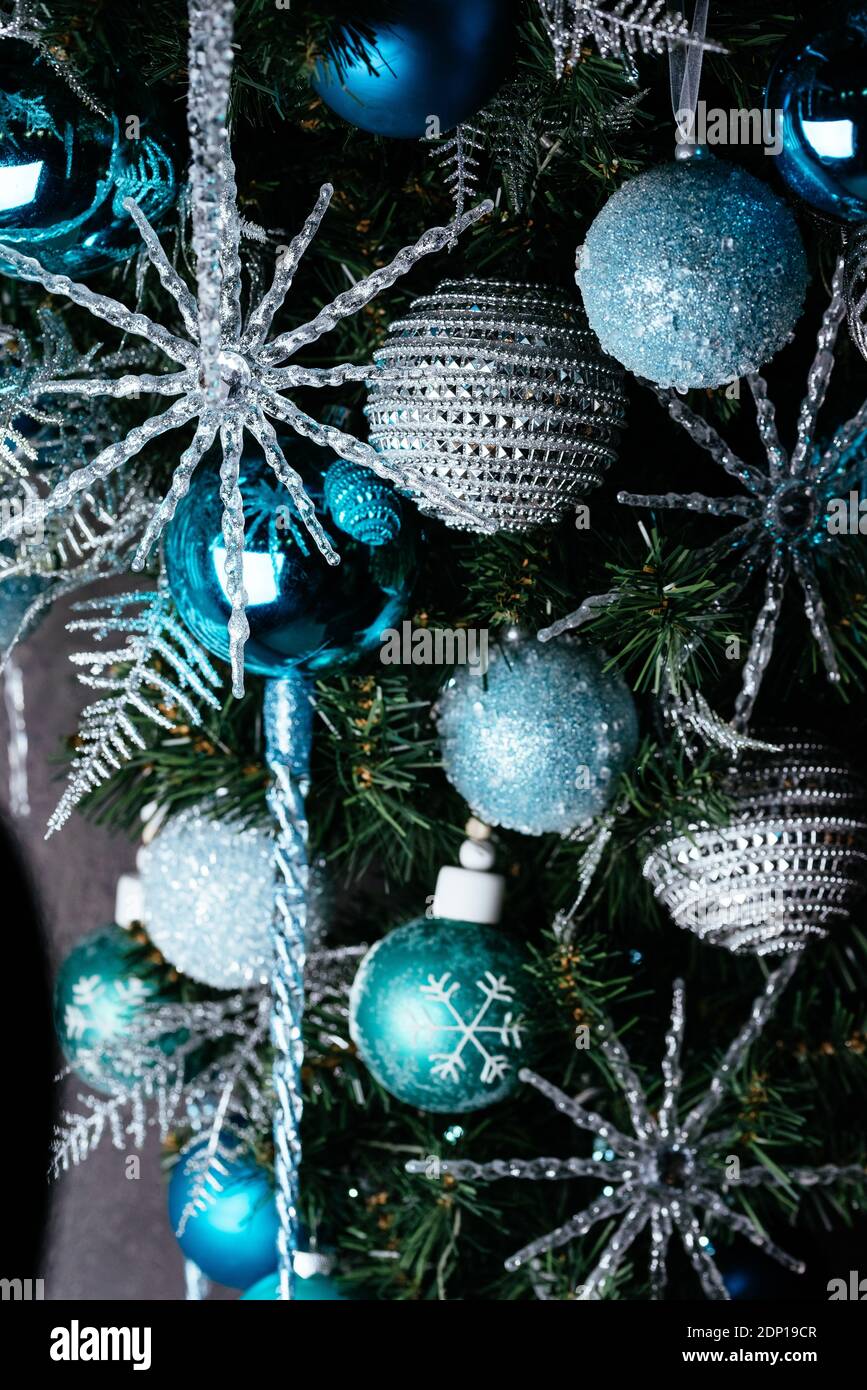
x=684, y=71
x=288, y=715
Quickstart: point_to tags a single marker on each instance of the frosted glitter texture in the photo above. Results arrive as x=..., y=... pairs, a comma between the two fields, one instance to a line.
x=497, y=394
x=669, y=1170
x=791, y=862
x=209, y=897
x=693, y=274
x=539, y=743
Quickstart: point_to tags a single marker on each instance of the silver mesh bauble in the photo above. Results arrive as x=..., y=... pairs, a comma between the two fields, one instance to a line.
x=500, y=392
x=791, y=861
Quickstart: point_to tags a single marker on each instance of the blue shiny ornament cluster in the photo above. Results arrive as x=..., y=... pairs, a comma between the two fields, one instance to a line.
x=693, y=274
x=539, y=743
x=442, y=1014
x=65, y=171
x=819, y=84
x=315, y=1287
x=233, y=1238
x=440, y=58
x=102, y=985
x=303, y=613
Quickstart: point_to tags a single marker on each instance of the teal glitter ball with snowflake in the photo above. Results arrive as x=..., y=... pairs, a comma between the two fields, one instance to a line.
x=538, y=743
x=65, y=170
x=441, y=1013
x=102, y=986
x=693, y=274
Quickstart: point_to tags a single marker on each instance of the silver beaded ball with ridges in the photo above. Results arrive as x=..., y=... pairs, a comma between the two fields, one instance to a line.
x=791, y=862
x=501, y=393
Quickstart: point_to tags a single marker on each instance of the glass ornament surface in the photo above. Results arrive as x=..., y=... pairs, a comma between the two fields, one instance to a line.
x=65, y=171
x=538, y=744
x=819, y=85
x=442, y=59
x=441, y=1012
x=208, y=888
x=693, y=274
x=303, y=613
x=102, y=985
x=313, y=1287
x=231, y=1231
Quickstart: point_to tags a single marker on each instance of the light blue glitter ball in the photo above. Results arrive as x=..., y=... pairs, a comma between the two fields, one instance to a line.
x=693, y=274
x=539, y=743
x=208, y=890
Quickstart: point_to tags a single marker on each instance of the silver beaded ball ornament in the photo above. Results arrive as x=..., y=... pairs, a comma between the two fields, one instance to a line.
x=501, y=392
x=791, y=862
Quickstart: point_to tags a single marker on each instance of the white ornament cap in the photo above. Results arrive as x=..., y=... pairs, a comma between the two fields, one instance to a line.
x=471, y=893
x=128, y=901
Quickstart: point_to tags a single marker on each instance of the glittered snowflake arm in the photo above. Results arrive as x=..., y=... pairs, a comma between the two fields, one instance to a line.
x=577, y=1225
x=155, y=641
x=819, y=375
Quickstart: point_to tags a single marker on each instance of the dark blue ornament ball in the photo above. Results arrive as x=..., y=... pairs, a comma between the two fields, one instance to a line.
x=233, y=1238
x=304, y=614
x=434, y=58
x=65, y=171
x=819, y=83
x=441, y=1013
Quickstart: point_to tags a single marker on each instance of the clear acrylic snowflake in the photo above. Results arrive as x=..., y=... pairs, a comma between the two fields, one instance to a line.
x=230, y=378
x=666, y=1173
x=782, y=522
x=471, y=1032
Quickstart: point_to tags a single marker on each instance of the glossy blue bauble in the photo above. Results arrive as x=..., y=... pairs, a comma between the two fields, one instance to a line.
x=693, y=274
x=318, y=1287
x=233, y=1240
x=819, y=83
x=103, y=984
x=537, y=745
x=303, y=613
x=441, y=1013
x=65, y=171
x=436, y=58
x=16, y=595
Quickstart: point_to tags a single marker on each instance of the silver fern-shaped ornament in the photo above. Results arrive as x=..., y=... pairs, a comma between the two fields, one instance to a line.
x=618, y=30
x=134, y=683
x=458, y=158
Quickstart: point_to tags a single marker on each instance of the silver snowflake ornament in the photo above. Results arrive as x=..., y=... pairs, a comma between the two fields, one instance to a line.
x=666, y=1174
x=782, y=523
x=230, y=376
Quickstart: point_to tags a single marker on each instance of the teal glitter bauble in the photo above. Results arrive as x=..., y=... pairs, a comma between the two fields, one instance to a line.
x=303, y=613
x=442, y=59
x=361, y=504
x=538, y=744
x=693, y=274
x=231, y=1234
x=441, y=1013
x=102, y=985
x=316, y=1287
x=65, y=171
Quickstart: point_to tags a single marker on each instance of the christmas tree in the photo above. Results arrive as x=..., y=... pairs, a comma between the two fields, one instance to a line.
x=473, y=404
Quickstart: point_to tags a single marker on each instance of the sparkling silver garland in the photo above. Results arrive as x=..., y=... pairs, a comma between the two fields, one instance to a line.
x=618, y=29
x=781, y=522
x=499, y=393
x=790, y=862
x=666, y=1171
x=288, y=732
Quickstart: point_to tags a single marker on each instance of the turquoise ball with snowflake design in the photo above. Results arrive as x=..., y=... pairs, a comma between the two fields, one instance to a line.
x=442, y=1014
x=102, y=988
